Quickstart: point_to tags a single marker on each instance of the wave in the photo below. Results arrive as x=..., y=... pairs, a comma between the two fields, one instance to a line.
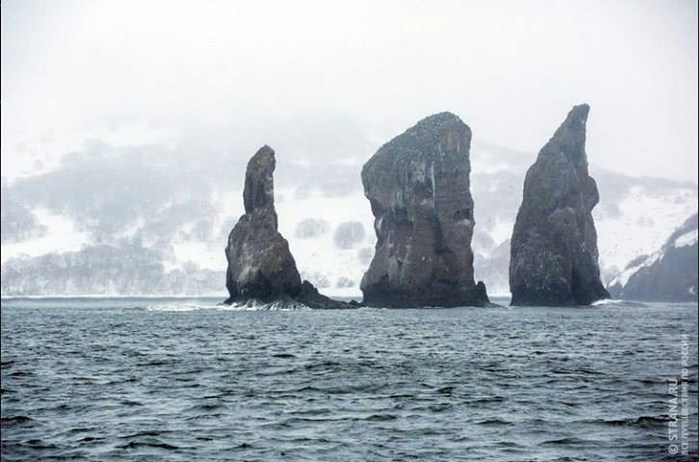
x=644, y=421
x=250, y=305
x=155, y=443
x=619, y=303
x=494, y=421
x=567, y=441
x=277, y=305
x=181, y=307
x=15, y=420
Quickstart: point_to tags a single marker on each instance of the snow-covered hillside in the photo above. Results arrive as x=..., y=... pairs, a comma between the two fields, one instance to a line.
x=669, y=273
x=169, y=223
x=335, y=254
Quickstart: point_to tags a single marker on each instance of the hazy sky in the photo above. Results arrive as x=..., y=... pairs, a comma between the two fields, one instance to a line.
x=131, y=72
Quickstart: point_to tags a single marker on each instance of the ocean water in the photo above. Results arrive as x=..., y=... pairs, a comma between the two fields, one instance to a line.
x=183, y=379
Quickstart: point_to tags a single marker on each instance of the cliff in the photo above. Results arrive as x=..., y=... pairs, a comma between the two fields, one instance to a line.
x=261, y=268
x=553, y=255
x=419, y=189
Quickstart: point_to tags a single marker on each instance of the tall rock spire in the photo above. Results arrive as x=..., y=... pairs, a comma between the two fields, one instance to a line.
x=419, y=190
x=554, y=257
x=260, y=265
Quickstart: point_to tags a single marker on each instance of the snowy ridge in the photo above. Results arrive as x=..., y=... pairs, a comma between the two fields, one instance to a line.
x=646, y=217
x=623, y=278
x=678, y=239
x=670, y=273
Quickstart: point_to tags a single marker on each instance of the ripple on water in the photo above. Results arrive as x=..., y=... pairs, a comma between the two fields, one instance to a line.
x=189, y=380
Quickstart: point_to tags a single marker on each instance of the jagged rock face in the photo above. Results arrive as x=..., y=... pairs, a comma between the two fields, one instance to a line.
x=554, y=257
x=418, y=187
x=260, y=265
x=670, y=274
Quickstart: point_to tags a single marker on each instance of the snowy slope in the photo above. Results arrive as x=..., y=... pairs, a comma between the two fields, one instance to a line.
x=181, y=233
x=320, y=259
x=668, y=274
x=646, y=219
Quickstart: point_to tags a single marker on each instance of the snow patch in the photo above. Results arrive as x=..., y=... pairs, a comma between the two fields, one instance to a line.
x=646, y=219
x=321, y=255
x=623, y=278
x=201, y=253
x=687, y=239
x=61, y=236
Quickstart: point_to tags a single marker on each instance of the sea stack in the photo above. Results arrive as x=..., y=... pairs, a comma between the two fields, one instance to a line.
x=553, y=255
x=419, y=189
x=261, y=268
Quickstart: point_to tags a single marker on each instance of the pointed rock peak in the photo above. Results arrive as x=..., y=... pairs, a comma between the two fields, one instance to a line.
x=259, y=181
x=554, y=256
x=569, y=138
x=579, y=112
x=264, y=152
x=575, y=121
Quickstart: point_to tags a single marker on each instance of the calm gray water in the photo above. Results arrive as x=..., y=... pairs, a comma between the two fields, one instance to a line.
x=159, y=379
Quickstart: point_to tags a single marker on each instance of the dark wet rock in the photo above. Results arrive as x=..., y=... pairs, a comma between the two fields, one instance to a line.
x=418, y=187
x=260, y=265
x=670, y=274
x=554, y=257
x=311, y=297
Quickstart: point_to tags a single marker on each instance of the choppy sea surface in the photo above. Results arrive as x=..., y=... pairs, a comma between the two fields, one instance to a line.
x=183, y=379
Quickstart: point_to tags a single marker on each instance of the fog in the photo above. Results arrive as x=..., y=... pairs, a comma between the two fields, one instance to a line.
x=236, y=75
x=126, y=127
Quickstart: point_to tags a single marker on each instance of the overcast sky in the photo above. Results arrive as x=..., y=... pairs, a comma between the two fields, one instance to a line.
x=131, y=72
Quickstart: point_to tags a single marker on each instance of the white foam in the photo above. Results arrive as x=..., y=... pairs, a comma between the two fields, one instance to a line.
x=183, y=307
x=279, y=305
x=607, y=301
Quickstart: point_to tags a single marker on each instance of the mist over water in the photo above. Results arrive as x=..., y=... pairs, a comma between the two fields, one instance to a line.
x=176, y=379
